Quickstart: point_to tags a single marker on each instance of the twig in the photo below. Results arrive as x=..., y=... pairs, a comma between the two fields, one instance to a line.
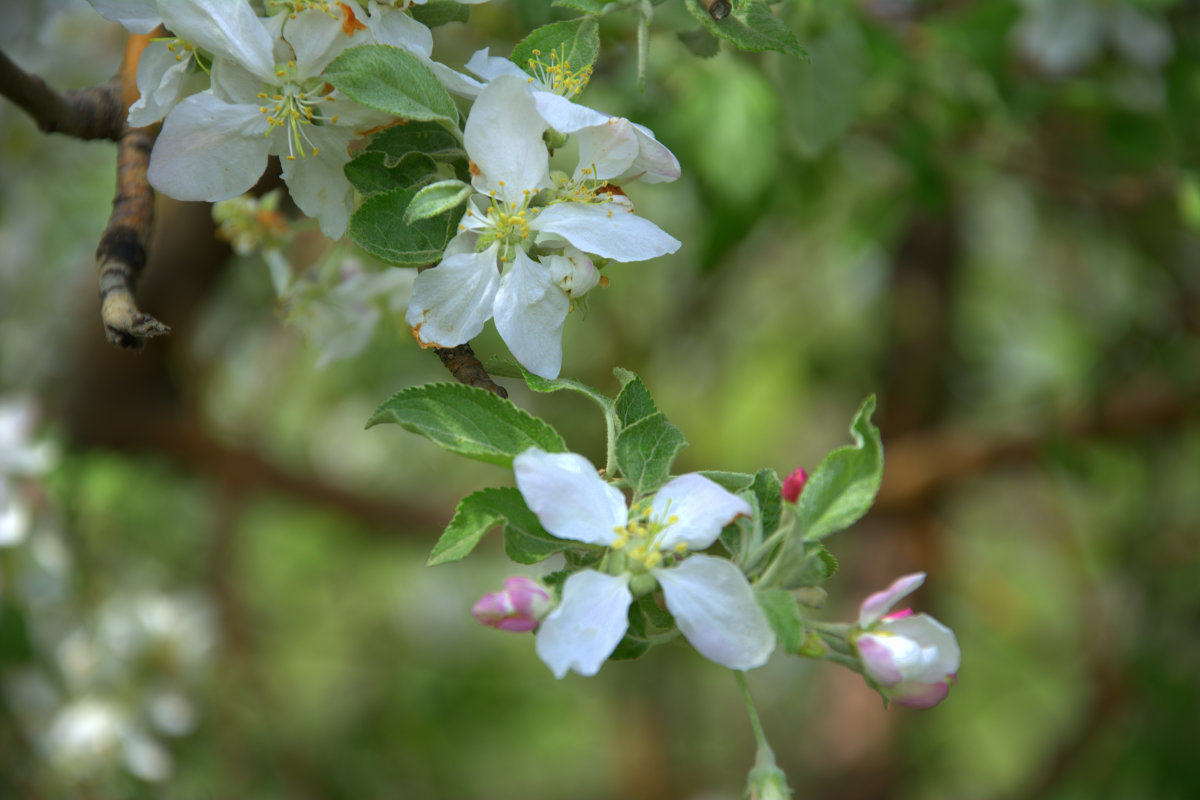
x=92, y=113
x=465, y=367
x=121, y=254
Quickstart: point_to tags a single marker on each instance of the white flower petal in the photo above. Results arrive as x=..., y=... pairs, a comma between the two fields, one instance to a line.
x=452, y=301
x=606, y=229
x=159, y=80
x=503, y=136
x=318, y=183
x=138, y=16
x=701, y=508
x=587, y=625
x=224, y=29
x=607, y=150
x=715, y=609
x=394, y=27
x=316, y=39
x=565, y=116
x=654, y=162
x=940, y=654
x=530, y=312
x=572, y=271
x=880, y=603
x=491, y=67
x=568, y=497
x=209, y=150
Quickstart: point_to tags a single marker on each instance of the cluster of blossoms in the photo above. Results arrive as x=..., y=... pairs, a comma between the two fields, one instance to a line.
x=20, y=457
x=526, y=243
x=911, y=659
x=265, y=94
x=234, y=85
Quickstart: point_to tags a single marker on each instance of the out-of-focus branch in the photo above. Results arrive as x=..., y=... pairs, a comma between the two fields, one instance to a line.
x=96, y=112
x=121, y=254
x=464, y=365
x=925, y=464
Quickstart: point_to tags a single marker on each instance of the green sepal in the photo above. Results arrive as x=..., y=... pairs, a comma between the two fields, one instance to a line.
x=751, y=26
x=783, y=614
x=378, y=227
x=843, y=488
x=805, y=564
x=577, y=42
x=469, y=421
x=391, y=80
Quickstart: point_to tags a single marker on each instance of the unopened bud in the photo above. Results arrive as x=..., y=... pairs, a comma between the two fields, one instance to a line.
x=794, y=484
x=518, y=608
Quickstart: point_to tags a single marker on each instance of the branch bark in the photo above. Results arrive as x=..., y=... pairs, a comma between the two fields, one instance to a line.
x=96, y=112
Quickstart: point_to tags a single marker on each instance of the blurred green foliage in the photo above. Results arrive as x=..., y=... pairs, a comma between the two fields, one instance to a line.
x=985, y=213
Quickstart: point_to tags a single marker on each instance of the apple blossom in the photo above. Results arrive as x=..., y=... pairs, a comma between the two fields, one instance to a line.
x=710, y=598
x=491, y=268
x=912, y=658
x=518, y=608
x=611, y=148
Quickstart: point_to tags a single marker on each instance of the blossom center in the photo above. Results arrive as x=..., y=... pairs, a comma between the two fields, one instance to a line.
x=641, y=540
x=555, y=75
x=292, y=106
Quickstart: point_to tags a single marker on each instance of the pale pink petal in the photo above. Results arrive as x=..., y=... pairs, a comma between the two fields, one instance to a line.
x=700, y=509
x=568, y=497
x=588, y=624
x=530, y=311
x=878, y=604
x=715, y=609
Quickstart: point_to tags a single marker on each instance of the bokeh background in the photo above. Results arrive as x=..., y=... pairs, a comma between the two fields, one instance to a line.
x=987, y=213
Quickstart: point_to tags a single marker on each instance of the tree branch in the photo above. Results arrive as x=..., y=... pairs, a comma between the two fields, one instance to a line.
x=121, y=254
x=464, y=365
x=92, y=113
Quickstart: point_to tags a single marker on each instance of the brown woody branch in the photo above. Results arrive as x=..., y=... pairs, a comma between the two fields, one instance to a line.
x=96, y=112
x=121, y=254
x=464, y=365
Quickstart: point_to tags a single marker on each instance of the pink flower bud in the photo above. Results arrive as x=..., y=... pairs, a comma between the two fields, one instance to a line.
x=519, y=608
x=912, y=658
x=793, y=484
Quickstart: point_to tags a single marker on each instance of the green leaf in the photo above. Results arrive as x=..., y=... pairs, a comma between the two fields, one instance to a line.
x=434, y=13
x=391, y=80
x=477, y=514
x=823, y=92
x=506, y=368
x=369, y=173
x=586, y=6
x=732, y=481
x=574, y=41
x=645, y=451
x=524, y=547
x=768, y=490
x=469, y=421
x=378, y=227
x=702, y=43
x=416, y=136
x=437, y=198
x=805, y=564
x=634, y=644
x=633, y=402
x=784, y=615
x=843, y=488
x=751, y=27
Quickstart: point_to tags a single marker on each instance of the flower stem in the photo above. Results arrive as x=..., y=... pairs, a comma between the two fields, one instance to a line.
x=610, y=432
x=759, y=737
